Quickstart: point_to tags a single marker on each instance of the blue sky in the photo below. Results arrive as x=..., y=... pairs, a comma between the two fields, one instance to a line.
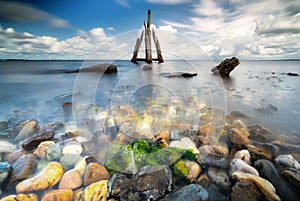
x=74, y=29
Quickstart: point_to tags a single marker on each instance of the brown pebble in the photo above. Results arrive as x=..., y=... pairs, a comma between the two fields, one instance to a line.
x=59, y=195
x=95, y=172
x=70, y=180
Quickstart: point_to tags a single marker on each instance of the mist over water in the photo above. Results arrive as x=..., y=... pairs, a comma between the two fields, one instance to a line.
x=259, y=89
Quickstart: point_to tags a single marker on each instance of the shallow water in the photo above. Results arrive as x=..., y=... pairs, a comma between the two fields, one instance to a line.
x=260, y=89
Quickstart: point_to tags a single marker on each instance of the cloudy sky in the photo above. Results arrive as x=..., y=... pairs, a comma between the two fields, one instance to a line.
x=75, y=29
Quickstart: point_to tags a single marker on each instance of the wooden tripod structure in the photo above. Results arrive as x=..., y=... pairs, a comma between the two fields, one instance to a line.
x=148, y=50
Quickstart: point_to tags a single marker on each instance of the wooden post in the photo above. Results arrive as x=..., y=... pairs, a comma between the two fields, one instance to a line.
x=158, y=50
x=137, y=48
x=148, y=39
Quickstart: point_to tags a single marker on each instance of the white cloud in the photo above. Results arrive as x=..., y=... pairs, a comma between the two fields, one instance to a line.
x=168, y=28
x=123, y=3
x=208, y=8
x=168, y=1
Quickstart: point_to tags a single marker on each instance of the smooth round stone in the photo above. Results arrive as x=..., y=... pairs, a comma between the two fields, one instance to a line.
x=287, y=161
x=238, y=138
x=245, y=191
x=48, y=177
x=13, y=156
x=95, y=172
x=27, y=130
x=72, y=147
x=7, y=147
x=81, y=165
x=70, y=180
x=96, y=191
x=54, y=152
x=57, y=195
x=194, y=169
x=21, y=197
x=185, y=143
x=220, y=178
x=243, y=155
x=240, y=165
x=192, y=192
x=41, y=150
x=32, y=142
x=68, y=161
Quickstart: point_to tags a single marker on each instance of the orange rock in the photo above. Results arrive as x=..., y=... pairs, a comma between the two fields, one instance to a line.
x=95, y=172
x=70, y=180
x=59, y=195
x=238, y=138
x=21, y=197
x=96, y=191
x=48, y=177
x=207, y=129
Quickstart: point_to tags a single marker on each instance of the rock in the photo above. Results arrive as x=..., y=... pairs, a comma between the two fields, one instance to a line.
x=67, y=107
x=268, y=171
x=68, y=161
x=5, y=171
x=150, y=183
x=293, y=176
x=185, y=143
x=54, y=152
x=70, y=180
x=94, y=192
x=95, y=172
x=13, y=156
x=237, y=138
x=57, y=195
x=32, y=142
x=23, y=168
x=245, y=191
x=81, y=165
x=292, y=74
x=265, y=187
x=48, y=177
x=7, y=147
x=287, y=161
x=147, y=67
x=215, y=150
x=215, y=194
x=240, y=115
x=192, y=192
x=27, y=130
x=243, y=155
x=72, y=147
x=100, y=68
x=262, y=150
x=220, y=178
x=239, y=165
x=179, y=74
x=259, y=133
x=211, y=161
x=194, y=169
x=225, y=67
x=41, y=150
x=21, y=197
x=3, y=125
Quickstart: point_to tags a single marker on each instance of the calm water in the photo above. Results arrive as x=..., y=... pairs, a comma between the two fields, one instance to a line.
x=260, y=89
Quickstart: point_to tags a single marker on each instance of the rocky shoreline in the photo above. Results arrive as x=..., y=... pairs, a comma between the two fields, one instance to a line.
x=119, y=154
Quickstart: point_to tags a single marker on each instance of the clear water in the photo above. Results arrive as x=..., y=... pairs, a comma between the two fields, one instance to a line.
x=260, y=89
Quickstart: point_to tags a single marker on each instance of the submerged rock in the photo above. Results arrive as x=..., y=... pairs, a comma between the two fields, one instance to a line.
x=32, y=142
x=41, y=150
x=238, y=138
x=95, y=172
x=192, y=192
x=54, y=152
x=70, y=180
x=21, y=197
x=28, y=129
x=226, y=66
x=7, y=147
x=56, y=195
x=292, y=176
x=48, y=177
x=220, y=178
x=245, y=191
x=5, y=171
x=100, y=68
x=268, y=171
x=287, y=161
x=150, y=183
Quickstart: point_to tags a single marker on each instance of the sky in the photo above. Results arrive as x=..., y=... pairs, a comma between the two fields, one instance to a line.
x=106, y=29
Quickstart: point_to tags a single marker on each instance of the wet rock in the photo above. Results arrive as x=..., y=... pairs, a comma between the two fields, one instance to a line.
x=7, y=147
x=215, y=150
x=100, y=68
x=245, y=191
x=32, y=142
x=94, y=192
x=28, y=129
x=147, y=67
x=68, y=161
x=72, y=147
x=54, y=152
x=239, y=165
x=237, y=138
x=192, y=192
x=21, y=197
x=185, y=143
x=70, y=180
x=48, y=177
x=3, y=125
x=178, y=74
x=215, y=195
x=67, y=107
x=265, y=187
x=81, y=165
x=13, y=156
x=262, y=150
x=293, y=176
x=23, y=168
x=243, y=155
x=150, y=183
x=292, y=74
x=5, y=171
x=95, y=172
x=57, y=195
x=220, y=178
x=194, y=169
x=241, y=116
x=259, y=133
x=225, y=67
x=287, y=161
x=41, y=150
x=211, y=161
x=268, y=171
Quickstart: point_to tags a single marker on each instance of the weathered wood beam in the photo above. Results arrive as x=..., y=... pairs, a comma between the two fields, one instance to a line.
x=137, y=47
x=158, y=50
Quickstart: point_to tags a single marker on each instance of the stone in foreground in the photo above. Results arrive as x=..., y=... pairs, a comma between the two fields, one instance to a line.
x=226, y=66
x=192, y=192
